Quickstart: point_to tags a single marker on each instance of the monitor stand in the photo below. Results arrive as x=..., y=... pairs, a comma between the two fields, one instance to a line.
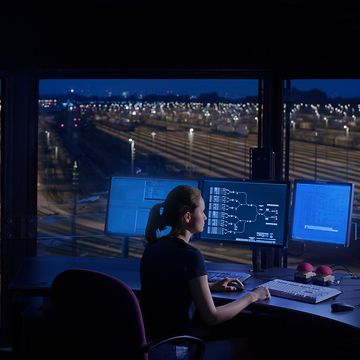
x=281, y=257
x=267, y=257
x=256, y=258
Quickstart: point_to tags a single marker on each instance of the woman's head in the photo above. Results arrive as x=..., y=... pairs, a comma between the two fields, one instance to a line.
x=183, y=209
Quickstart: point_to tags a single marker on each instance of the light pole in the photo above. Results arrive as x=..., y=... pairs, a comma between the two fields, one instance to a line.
x=47, y=133
x=75, y=188
x=245, y=157
x=347, y=150
x=191, y=138
x=316, y=134
x=132, y=154
x=292, y=142
x=257, y=123
x=293, y=125
x=153, y=134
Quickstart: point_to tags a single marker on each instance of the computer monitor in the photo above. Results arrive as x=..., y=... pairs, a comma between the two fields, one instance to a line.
x=322, y=212
x=130, y=200
x=253, y=212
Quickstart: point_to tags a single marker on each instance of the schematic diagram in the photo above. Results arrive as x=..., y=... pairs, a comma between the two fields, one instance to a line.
x=230, y=213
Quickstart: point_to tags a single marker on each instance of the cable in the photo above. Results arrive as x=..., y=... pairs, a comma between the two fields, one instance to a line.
x=338, y=267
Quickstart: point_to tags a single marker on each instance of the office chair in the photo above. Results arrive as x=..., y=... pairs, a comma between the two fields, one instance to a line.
x=97, y=316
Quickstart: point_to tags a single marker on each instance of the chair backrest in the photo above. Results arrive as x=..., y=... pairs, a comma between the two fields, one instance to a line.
x=96, y=316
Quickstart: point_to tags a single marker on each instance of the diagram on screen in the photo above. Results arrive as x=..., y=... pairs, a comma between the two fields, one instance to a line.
x=230, y=212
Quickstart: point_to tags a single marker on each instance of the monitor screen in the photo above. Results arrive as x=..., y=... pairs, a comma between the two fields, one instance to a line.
x=130, y=200
x=322, y=212
x=253, y=212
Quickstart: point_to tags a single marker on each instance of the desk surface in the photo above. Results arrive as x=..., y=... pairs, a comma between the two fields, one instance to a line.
x=37, y=273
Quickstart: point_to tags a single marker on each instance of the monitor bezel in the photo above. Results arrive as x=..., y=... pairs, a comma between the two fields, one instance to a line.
x=253, y=245
x=349, y=217
x=124, y=234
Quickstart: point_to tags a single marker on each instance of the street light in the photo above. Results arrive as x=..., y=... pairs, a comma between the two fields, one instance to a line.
x=315, y=170
x=132, y=154
x=347, y=130
x=326, y=121
x=191, y=138
x=153, y=134
x=75, y=188
x=47, y=133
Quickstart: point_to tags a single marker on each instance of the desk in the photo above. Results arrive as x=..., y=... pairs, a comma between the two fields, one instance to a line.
x=37, y=274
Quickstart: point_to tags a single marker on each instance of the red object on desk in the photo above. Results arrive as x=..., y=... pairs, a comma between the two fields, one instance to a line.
x=305, y=267
x=323, y=270
x=324, y=276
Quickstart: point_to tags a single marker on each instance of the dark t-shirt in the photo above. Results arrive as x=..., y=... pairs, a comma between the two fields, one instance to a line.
x=167, y=267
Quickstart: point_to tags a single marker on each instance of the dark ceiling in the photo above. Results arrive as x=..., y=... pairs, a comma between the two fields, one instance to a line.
x=297, y=37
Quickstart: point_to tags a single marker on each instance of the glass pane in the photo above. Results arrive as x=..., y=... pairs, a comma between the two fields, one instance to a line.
x=0, y=133
x=324, y=118
x=0, y=147
x=90, y=130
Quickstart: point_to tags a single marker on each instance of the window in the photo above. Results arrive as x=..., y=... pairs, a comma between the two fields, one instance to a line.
x=90, y=130
x=1, y=126
x=323, y=119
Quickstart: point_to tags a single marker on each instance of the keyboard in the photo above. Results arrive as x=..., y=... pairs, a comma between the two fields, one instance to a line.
x=302, y=292
x=219, y=275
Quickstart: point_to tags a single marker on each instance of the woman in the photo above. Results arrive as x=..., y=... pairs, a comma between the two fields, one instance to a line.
x=173, y=273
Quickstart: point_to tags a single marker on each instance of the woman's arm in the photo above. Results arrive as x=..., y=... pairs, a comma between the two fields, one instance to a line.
x=226, y=284
x=211, y=314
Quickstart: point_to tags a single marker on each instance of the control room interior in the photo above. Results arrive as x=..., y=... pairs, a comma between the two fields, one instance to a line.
x=275, y=41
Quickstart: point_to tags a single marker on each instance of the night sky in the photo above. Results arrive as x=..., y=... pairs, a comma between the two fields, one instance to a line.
x=333, y=88
x=232, y=89
x=228, y=88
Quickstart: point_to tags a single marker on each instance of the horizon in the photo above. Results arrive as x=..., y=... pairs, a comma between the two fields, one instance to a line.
x=228, y=88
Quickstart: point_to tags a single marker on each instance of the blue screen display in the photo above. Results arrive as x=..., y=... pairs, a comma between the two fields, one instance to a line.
x=130, y=200
x=246, y=211
x=322, y=212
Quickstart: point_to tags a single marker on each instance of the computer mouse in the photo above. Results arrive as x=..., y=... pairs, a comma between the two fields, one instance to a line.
x=339, y=307
x=236, y=285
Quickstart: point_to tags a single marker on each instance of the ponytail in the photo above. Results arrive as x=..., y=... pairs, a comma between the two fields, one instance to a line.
x=181, y=199
x=155, y=222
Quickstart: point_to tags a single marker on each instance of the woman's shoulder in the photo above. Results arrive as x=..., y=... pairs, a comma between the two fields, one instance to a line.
x=192, y=250
x=170, y=241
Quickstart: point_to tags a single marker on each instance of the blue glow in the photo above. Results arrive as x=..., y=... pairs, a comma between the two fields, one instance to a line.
x=130, y=200
x=322, y=212
x=246, y=212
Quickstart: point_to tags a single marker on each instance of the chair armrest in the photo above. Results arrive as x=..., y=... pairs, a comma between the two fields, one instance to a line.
x=195, y=346
x=177, y=340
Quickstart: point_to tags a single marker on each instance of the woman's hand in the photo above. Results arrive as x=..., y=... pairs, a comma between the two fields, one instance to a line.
x=227, y=284
x=260, y=293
